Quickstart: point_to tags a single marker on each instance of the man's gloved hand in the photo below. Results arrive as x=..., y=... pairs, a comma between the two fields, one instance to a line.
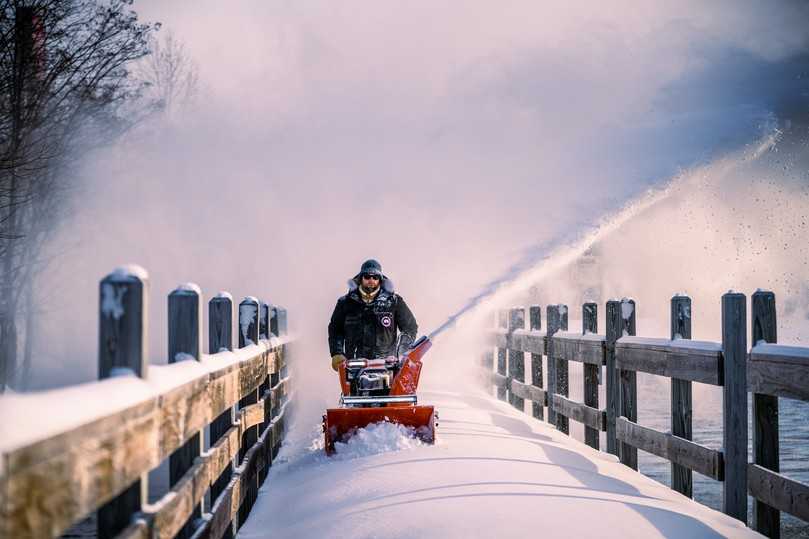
x=405, y=341
x=336, y=360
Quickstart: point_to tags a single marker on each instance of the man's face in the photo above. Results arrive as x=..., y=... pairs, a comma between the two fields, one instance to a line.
x=370, y=282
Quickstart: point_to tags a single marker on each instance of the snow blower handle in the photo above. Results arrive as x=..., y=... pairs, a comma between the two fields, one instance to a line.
x=407, y=380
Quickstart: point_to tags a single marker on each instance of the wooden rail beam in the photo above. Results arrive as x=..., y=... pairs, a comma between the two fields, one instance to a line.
x=591, y=417
x=699, y=458
x=695, y=361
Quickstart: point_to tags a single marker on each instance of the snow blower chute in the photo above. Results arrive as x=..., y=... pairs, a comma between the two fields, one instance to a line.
x=375, y=390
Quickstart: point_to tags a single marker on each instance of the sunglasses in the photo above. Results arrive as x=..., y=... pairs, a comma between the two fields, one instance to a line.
x=370, y=276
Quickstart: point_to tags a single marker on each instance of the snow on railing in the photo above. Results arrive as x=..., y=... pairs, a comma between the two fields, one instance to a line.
x=90, y=447
x=769, y=371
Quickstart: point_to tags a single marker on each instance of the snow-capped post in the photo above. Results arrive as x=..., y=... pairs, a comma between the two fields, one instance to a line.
x=248, y=335
x=282, y=321
x=502, y=320
x=613, y=331
x=734, y=413
x=122, y=335
x=122, y=343
x=535, y=321
x=562, y=375
x=185, y=343
x=274, y=328
x=589, y=324
x=628, y=383
x=766, y=519
x=681, y=404
x=264, y=320
x=220, y=337
x=556, y=320
x=265, y=388
x=516, y=359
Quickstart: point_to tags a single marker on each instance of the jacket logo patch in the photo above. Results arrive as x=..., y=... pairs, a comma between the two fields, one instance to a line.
x=386, y=321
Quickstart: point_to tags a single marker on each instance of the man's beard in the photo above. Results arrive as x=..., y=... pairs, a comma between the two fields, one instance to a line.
x=369, y=290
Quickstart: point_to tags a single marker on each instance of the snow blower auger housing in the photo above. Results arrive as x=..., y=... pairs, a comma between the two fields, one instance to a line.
x=375, y=390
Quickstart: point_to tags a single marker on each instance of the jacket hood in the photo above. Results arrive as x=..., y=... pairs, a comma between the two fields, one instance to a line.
x=354, y=283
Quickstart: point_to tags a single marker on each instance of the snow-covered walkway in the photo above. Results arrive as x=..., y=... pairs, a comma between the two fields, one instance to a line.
x=493, y=473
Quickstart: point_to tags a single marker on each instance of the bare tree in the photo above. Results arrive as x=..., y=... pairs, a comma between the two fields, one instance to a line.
x=64, y=81
x=169, y=73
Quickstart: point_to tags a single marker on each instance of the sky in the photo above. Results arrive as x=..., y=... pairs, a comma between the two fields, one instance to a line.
x=444, y=139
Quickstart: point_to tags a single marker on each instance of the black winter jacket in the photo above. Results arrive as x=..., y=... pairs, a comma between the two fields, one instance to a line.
x=368, y=330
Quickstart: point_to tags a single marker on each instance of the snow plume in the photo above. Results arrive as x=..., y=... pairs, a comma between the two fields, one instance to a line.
x=738, y=222
x=446, y=143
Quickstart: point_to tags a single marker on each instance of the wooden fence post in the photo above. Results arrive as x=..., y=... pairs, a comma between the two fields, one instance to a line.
x=734, y=413
x=122, y=345
x=556, y=316
x=613, y=333
x=589, y=324
x=185, y=342
x=766, y=519
x=516, y=359
x=274, y=327
x=220, y=337
x=264, y=321
x=502, y=321
x=535, y=318
x=265, y=388
x=681, y=404
x=248, y=335
x=628, y=380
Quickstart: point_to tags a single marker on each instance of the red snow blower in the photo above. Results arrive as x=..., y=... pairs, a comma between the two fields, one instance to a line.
x=375, y=390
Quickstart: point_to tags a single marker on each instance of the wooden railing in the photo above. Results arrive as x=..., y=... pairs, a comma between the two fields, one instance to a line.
x=768, y=370
x=95, y=454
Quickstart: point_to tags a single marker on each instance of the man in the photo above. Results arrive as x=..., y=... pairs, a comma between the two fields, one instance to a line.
x=365, y=321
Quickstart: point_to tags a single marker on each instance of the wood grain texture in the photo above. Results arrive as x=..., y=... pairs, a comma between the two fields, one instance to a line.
x=778, y=491
x=122, y=344
x=573, y=347
x=734, y=413
x=592, y=373
x=556, y=316
x=664, y=357
x=628, y=385
x=74, y=472
x=591, y=417
x=184, y=343
x=529, y=392
x=613, y=333
x=693, y=456
x=502, y=352
x=681, y=395
x=516, y=358
x=535, y=324
x=764, y=327
x=777, y=376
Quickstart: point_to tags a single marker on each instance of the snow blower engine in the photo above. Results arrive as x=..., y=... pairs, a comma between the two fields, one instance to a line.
x=375, y=390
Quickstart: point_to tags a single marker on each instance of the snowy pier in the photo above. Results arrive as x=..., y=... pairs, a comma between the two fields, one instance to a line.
x=493, y=472
x=497, y=469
